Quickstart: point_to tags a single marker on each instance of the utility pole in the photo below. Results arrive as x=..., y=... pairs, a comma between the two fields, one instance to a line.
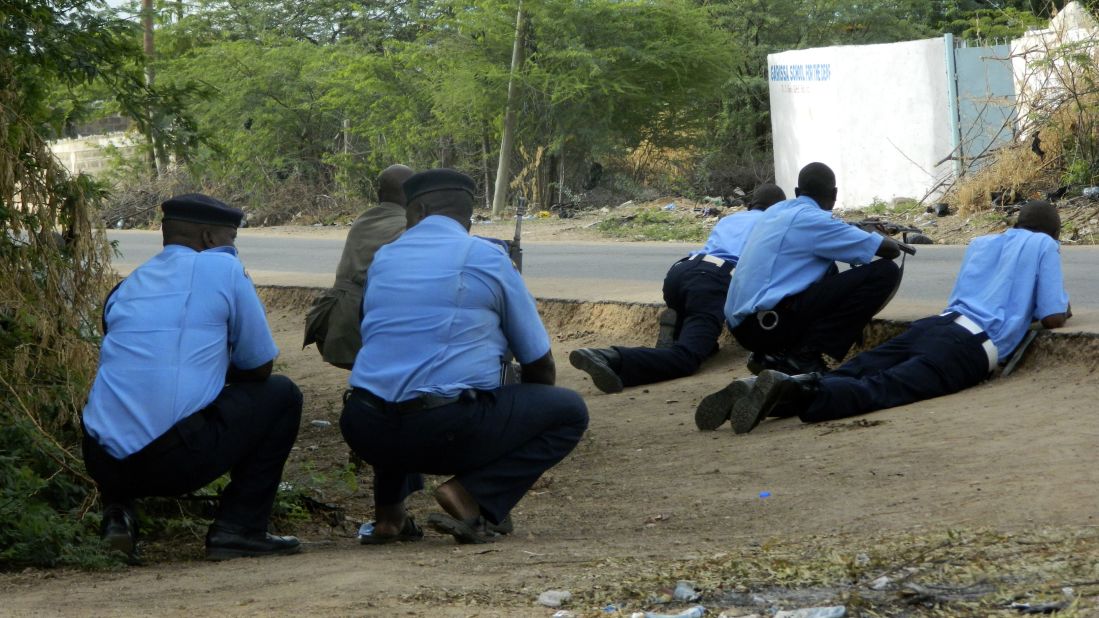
x=503, y=171
x=150, y=77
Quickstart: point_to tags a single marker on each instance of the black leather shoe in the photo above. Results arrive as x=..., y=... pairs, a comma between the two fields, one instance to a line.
x=119, y=530
x=226, y=542
x=757, y=362
x=784, y=395
x=774, y=394
x=805, y=362
x=791, y=364
x=600, y=364
x=714, y=409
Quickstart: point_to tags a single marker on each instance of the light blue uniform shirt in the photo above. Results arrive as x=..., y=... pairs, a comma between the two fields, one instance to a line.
x=173, y=327
x=790, y=248
x=729, y=235
x=1008, y=280
x=441, y=309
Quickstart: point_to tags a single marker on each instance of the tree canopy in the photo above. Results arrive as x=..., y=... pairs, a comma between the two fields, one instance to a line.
x=328, y=93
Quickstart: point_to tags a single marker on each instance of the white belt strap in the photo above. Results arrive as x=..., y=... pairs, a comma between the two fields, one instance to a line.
x=716, y=261
x=989, y=347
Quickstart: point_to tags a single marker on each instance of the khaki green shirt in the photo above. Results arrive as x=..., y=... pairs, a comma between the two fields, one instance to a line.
x=335, y=317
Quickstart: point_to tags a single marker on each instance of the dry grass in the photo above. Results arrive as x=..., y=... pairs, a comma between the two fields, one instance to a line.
x=53, y=275
x=1059, y=134
x=1015, y=169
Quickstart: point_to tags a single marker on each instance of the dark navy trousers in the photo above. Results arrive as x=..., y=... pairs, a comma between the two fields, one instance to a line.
x=934, y=357
x=828, y=316
x=247, y=431
x=696, y=290
x=496, y=445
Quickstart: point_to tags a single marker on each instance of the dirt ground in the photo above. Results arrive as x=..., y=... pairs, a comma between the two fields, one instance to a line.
x=964, y=504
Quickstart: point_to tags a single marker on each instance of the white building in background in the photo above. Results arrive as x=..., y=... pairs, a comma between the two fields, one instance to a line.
x=876, y=114
x=1041, y=69
x=905, y=119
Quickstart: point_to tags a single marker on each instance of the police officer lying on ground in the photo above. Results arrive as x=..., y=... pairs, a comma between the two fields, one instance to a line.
x=441, y=309
x=787, y=302
x=695, y=287
x=184, y=391
x=1006, y=280
x=333, y=321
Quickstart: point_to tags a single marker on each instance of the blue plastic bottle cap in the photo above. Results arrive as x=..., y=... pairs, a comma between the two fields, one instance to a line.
x=764, y=494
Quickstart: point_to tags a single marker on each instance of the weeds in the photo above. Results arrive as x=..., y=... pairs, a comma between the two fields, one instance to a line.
x=655, y=225
x=1058, y=128
x=53, y=275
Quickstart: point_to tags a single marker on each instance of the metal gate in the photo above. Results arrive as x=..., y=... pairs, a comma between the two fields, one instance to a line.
x=982, y=101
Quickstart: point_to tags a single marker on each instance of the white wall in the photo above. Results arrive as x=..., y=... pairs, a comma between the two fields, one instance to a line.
x=1039, y=64
x=86, y=154
x=876, y=114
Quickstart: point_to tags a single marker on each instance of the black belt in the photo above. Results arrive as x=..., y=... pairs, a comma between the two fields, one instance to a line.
x=425, y=401
x=169, y=440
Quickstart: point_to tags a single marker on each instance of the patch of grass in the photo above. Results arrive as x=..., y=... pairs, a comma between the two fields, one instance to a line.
x=655, y=225
x=881, y=208
x=970, y=573
x=877, y=207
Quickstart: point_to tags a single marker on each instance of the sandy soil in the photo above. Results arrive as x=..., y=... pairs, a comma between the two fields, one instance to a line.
x=647, y=499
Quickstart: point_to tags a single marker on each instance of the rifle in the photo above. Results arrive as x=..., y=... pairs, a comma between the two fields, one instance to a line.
x=887, y=228
x=515, y=248
x=510, y=370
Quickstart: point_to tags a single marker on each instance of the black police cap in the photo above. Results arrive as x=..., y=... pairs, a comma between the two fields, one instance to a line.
x=441, y=179
x=199, y=208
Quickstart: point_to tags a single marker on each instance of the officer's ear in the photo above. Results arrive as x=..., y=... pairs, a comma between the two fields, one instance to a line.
x=206, y=237
x=217, y=236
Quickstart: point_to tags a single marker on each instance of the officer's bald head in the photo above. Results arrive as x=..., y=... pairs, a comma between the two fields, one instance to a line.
x=391, y=181
x=765, y=196
x=1040, y=216
x=817, y=181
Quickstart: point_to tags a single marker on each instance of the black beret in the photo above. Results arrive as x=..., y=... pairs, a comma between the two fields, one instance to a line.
x=199, y=208
x=441, y=179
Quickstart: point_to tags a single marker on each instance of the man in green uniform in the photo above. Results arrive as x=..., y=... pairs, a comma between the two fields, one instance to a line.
x=333, y=321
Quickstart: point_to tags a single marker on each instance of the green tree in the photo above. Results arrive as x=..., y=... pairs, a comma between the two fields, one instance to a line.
x=53, y=273
x=601, y=77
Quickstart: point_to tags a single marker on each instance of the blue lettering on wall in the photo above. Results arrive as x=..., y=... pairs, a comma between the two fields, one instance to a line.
x=801, y=72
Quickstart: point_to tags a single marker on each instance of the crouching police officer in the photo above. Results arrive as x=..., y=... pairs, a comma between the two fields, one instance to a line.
x=184, y=391
x=441, y=310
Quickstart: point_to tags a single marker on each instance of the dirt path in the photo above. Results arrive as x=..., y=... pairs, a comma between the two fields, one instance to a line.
x=646, y=499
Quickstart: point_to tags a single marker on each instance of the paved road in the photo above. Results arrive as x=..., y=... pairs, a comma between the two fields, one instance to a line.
x=613, y=271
